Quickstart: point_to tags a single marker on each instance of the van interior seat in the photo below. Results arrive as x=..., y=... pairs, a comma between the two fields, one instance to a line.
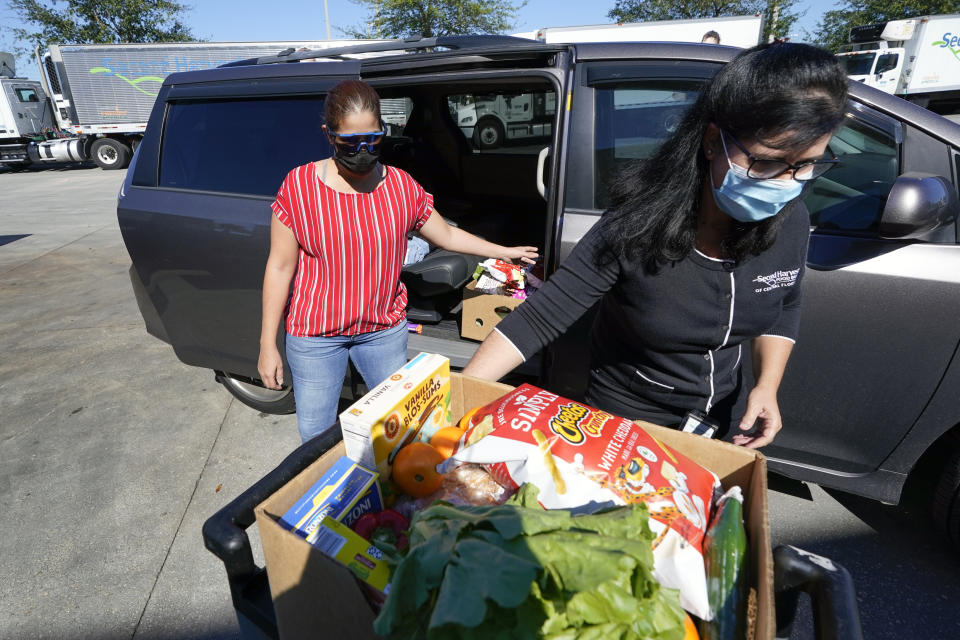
x=430, y=150
x=434, y=284
x=491, y=196
x=433, y=155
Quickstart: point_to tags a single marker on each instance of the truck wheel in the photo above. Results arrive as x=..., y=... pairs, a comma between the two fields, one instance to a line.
x=488, y=134
x=256, y=396
x=946, y=499
x=110, y=154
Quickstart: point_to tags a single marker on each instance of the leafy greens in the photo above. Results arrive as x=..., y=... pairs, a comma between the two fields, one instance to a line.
x=519, y=571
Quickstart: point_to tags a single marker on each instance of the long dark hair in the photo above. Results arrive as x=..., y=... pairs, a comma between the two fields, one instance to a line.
x=784, y=95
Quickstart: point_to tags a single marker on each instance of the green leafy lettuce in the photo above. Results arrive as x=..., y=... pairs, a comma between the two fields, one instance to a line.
x=519, y=571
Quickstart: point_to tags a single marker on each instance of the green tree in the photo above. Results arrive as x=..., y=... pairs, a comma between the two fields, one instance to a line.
x=779, y=18
x=430, y=18
x=779, y=15
x=97, y=21
x=833, y=31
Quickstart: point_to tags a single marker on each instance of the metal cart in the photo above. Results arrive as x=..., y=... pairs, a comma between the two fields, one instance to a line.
x=828, y=584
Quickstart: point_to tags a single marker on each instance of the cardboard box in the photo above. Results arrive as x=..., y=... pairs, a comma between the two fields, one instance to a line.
x=483, y=311
x=413, y=403
x=747, y=468
x=313, y=594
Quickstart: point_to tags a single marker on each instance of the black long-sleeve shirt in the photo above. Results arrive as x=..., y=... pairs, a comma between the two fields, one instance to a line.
x=672, y=339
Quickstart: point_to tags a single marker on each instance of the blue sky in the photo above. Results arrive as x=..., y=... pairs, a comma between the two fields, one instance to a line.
x=231, y=19
x=252, y=20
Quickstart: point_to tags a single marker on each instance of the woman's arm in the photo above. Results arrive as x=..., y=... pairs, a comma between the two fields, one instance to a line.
x=495, y=358
x=437, y=231
x=770, y=355
x=281, y=265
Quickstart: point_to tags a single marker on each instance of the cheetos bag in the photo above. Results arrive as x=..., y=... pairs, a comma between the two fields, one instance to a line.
x=577, y=455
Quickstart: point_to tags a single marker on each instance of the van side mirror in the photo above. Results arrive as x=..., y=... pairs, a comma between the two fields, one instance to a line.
x=918, y=203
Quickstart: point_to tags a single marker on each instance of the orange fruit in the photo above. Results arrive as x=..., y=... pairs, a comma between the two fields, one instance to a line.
x=465, y=420
x=446, y=440
x=415, y=469
x=690, y=629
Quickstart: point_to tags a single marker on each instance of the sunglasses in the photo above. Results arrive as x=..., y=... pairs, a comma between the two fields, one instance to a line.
x=352, y=143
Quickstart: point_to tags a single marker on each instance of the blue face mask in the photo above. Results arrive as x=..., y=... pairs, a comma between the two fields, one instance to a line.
x=748, y=200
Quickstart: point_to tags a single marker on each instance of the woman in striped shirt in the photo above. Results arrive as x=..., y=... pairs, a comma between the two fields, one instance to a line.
x=339, y=231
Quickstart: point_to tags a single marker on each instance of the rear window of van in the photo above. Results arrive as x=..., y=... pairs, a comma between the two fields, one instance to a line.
x=242, y=146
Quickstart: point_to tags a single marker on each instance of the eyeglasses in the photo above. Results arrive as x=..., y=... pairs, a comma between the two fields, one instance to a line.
x=762, y=169
x=352, y=143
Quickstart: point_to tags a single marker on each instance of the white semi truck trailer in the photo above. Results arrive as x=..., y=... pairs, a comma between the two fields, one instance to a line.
x=734, y=31
x=93, y=101
x=917, y=59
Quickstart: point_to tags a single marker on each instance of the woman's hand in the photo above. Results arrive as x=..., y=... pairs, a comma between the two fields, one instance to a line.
x=528, y=255
x=436, y=231
x=270, y=366
x=762, y=408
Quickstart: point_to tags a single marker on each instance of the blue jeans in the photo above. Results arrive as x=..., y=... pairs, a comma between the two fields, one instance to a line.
x=319, y=364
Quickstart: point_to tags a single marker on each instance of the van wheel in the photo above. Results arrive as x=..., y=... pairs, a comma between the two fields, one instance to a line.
x=110, y=154
x=253, y=394
x=488, y=134
x=946, y=499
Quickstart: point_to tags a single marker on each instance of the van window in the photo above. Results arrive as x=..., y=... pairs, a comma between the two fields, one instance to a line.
x=632, y=119
x=240, y=146
x=850, y=197
x=505, y=122
x=395, y=112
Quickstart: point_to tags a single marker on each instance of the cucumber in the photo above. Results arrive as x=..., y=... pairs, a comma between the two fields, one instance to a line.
x=725, y=560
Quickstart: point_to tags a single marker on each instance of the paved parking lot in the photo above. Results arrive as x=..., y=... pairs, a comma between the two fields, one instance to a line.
x=113, y=453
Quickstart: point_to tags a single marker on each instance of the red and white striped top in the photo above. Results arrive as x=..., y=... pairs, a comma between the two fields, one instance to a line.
x=352, y=247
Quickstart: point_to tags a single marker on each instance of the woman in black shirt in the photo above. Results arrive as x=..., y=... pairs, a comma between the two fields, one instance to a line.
x=703, y=250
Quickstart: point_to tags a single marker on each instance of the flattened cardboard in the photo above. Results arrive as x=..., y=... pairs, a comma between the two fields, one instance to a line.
x=313, y=595
x=480, y=315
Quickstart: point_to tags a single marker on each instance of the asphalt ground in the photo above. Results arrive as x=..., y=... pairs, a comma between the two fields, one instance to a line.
x=113, y=454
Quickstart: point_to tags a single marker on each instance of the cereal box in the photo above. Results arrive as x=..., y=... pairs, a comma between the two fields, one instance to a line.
x=412, y=404
x=345, y=492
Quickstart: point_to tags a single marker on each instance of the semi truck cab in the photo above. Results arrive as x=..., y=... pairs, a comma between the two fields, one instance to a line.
x=878, y=67
x=494, y=119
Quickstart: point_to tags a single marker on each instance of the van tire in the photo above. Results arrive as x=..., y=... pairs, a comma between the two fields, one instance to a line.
x=946, y=499
x=110, y=154
x=256, y=396
x=488, y=134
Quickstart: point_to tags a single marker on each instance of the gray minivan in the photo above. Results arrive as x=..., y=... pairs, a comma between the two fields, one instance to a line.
x=873, y=383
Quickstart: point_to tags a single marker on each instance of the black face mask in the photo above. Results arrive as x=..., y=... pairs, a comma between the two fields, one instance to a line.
x=360, y=163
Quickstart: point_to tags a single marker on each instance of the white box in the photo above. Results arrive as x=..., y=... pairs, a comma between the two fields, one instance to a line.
x=412, y=404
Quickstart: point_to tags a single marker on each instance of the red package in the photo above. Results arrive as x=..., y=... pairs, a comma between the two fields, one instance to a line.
x=577, y=455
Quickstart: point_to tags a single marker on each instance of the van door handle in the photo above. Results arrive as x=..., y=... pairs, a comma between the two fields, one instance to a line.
x=541, y=160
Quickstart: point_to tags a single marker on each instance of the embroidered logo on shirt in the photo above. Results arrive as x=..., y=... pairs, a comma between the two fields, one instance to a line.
x=776, y=280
